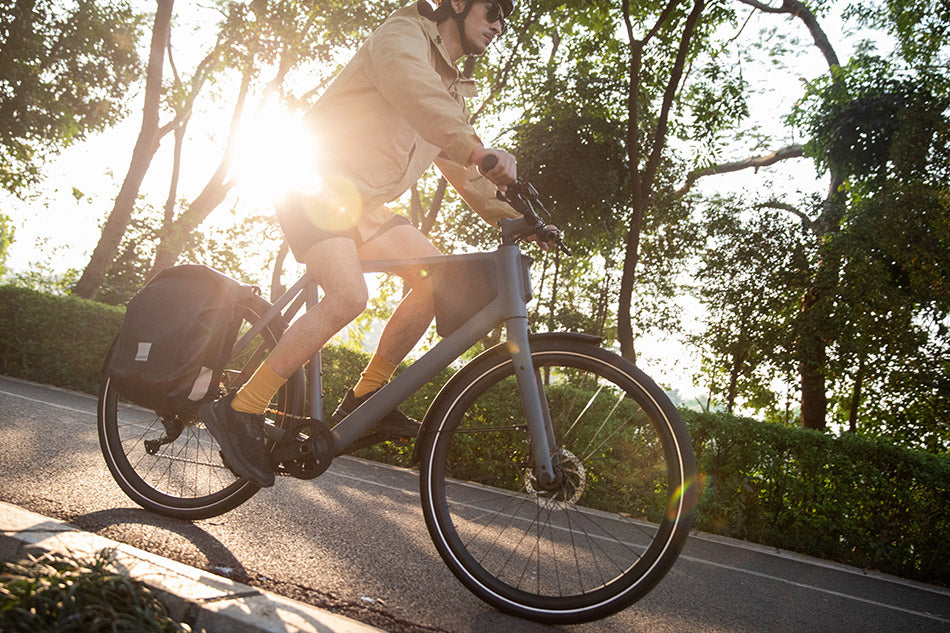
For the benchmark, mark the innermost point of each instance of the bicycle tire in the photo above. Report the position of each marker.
(186, 478)
(608, 534)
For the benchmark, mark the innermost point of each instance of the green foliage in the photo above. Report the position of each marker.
(750, 280)
(65, 73)
(921, 27)
(6, 239)
(869, 121)
(53, 339)
(68, 595)
(858, 501)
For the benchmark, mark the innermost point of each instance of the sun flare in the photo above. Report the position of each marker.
(275, 155)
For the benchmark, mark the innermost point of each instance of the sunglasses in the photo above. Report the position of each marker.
(496, 14)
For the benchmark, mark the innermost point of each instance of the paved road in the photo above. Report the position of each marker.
(354, 540)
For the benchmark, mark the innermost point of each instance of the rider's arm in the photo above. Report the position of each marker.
(476, 190)
(399, 66)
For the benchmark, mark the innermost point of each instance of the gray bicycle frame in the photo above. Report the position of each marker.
(511, 270)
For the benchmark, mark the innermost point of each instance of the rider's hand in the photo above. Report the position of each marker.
(549, 241)
(505, 170)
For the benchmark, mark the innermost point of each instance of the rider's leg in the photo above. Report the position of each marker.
(413, 314)
(334, 264)
(238, 427)
(403, 330)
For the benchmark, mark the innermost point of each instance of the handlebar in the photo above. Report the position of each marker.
(525, 199)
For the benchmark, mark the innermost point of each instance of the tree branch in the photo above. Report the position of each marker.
(803, 13)
(755, 162)
(784, 206)
(676, 74)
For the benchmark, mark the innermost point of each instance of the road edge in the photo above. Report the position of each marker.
(203, 600)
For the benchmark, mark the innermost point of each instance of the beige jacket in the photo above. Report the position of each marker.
(396, 108)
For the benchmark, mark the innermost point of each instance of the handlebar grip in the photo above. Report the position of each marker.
(488, 163)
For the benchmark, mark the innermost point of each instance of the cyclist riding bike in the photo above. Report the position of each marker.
(397, 107)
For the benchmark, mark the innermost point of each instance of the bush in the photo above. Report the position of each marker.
(55, 593)
(851, 499)
(55, 340)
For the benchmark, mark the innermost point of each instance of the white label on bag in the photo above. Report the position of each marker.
(143, 351)
(202, 382)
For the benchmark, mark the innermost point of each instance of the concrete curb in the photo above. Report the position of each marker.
(205, 601)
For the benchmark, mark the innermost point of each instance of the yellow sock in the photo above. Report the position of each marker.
(376, 374)
(256, 393)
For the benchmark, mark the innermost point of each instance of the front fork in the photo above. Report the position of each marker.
(534, 404)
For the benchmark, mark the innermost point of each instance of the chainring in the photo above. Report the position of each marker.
(306, 450)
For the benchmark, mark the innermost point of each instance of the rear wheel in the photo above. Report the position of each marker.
(173, 466)
(611, 526)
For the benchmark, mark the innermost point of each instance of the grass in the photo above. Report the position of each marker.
(54, 593)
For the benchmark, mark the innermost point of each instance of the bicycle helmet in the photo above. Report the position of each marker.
(507, 8)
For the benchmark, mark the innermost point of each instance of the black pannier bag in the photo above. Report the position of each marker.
(175, 340)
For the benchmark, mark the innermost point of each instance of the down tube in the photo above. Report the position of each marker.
(407, 382)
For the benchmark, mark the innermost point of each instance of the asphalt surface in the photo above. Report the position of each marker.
(353, 541)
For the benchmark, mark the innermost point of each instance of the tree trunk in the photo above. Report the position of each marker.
(814, 400)
(627, 279)
(856, 398)
(644, 178)
(145, 147)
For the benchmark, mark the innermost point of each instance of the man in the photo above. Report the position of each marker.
(394, 109)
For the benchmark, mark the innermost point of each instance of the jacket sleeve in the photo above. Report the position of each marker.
(398, 66)
(476, 190)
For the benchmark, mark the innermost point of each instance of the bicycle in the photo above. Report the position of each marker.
(557, 480)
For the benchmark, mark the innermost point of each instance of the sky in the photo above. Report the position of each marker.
(60, 225)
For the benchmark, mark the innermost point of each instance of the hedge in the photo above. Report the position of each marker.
(56, 340)
(850, 499)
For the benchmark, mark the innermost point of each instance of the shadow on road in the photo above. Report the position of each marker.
(179, 539)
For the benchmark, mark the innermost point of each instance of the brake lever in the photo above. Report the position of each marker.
(524, 199)
(546, 235)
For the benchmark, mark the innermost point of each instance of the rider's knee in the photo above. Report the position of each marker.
(348, 304)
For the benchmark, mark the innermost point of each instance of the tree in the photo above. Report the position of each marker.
(277, 37)
(749, 281)
(146, 145)
(881, 319)
(64, 73)
(589, 70)
(887, 131)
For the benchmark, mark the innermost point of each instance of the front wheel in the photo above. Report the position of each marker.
(606, 532)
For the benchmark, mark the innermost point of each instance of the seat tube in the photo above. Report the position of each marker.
(531, 398)
(315, 375)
